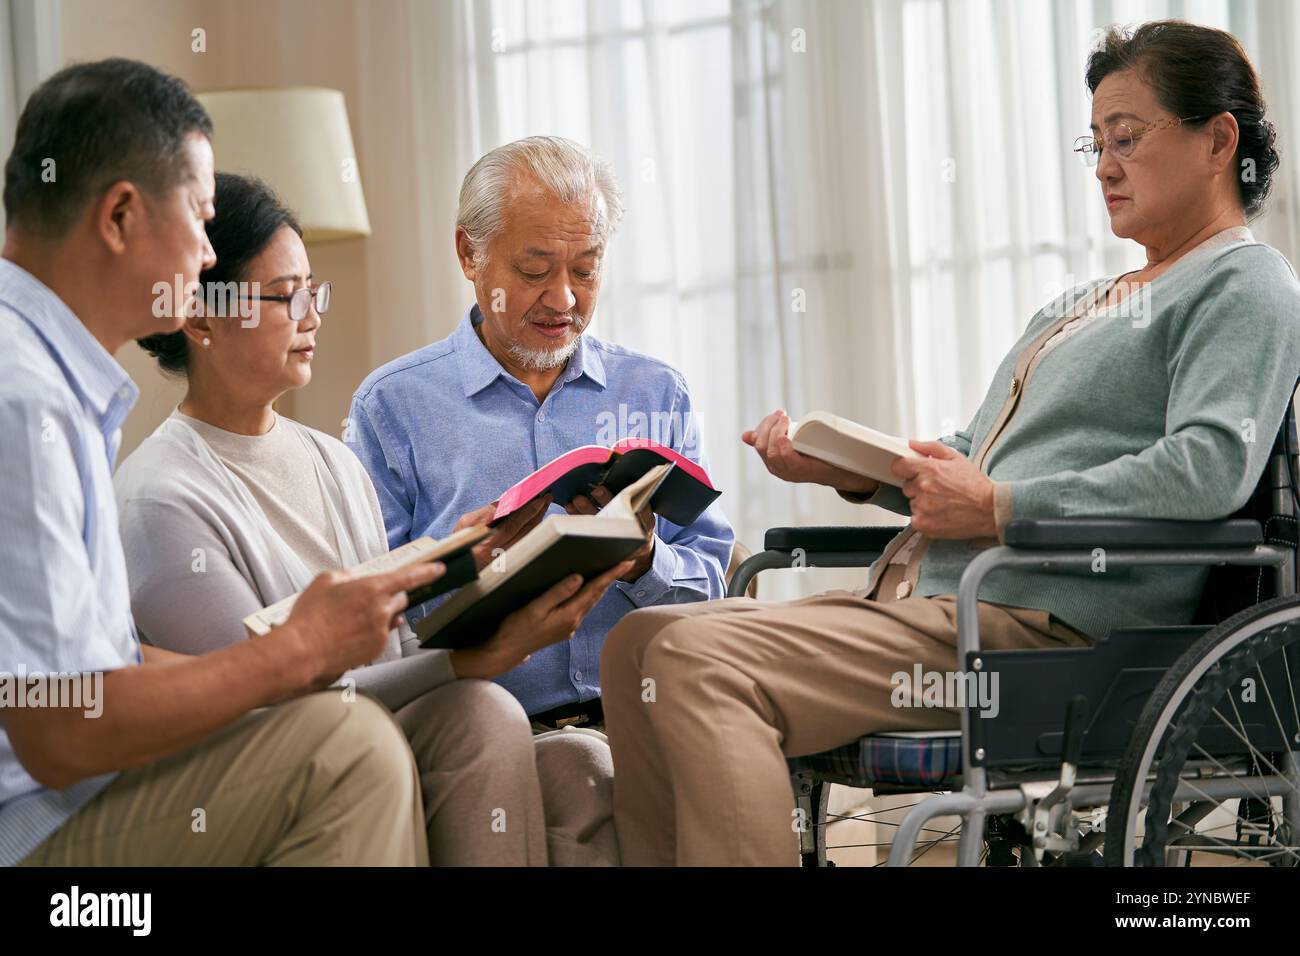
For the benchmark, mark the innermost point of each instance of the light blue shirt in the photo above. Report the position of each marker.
(446, 429)
(64, 602)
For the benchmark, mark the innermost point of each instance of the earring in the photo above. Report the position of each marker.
(207, 342)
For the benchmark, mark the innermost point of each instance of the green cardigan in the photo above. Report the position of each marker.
(1170, 413)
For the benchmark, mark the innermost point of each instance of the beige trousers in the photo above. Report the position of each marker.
(496, 795)
(576, 770)
(317, 781)
(704, 703)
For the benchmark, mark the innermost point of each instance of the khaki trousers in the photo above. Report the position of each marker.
(321, 781)
(704, 703)
(316, 781)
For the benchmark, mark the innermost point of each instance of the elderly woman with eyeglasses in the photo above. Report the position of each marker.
(1155, 394)
(229, 506)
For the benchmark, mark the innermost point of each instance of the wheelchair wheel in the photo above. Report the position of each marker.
(1217, 743)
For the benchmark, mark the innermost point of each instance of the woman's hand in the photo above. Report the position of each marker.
(772, 442)
(518, 524)
(547, 620)
(949, 496)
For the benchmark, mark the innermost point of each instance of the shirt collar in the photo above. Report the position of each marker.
(102, 385)
(478, 368)
(586, 361)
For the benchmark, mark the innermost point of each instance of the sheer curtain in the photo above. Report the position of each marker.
(844, 204)
(29, 51)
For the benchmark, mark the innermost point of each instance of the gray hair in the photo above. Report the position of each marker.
(563, 168)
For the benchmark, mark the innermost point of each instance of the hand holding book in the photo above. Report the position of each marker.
(772, 441)
(562, 545)
(506, 532)
(948, 496)
(549, 619)
(452, 554)
(601, 496)
(342, 619)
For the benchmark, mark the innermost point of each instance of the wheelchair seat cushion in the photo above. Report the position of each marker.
(931, 760)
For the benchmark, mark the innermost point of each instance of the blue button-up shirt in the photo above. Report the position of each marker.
(446, 429)
(64, 602)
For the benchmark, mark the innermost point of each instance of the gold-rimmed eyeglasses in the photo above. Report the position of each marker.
(301, 299)
(1122, 139)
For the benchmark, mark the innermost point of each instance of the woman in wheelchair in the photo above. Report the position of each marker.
(1136, 396)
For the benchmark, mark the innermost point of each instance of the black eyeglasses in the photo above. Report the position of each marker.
(300, 300)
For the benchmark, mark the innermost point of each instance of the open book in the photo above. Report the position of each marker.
(681, 498)
(556, 548)
(848, 445)
(454, 551)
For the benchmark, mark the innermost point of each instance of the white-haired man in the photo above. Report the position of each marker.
(443, 431)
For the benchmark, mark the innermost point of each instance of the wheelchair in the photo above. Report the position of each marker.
(1154, 746)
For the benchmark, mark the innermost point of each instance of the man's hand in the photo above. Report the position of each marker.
(772, 442)
(170, 702)
(341, 621)
(949, 496)
(644, 556)
(518, 524)
(546, 620)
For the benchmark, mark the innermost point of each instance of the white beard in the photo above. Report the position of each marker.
(542, 359)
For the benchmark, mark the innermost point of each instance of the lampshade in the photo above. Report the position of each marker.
(296, 139)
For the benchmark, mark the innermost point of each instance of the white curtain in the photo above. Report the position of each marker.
(845, 204)
(29, 51)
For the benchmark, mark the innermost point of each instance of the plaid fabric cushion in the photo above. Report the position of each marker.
(931, 762)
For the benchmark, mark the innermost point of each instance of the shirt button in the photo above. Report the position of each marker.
(577, 675)
(1015, 385)
(640, 593)
(903, 590)
(541, 416)
(124, 392)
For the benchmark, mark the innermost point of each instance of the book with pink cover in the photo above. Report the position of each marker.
(681, 499)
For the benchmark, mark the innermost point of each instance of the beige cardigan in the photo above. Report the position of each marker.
(201, 555)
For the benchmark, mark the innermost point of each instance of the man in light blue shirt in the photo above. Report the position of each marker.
(145, 756)
(448, 428)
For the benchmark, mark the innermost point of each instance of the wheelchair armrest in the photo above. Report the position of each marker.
(832, 547)
(1047, 534)
(830, 538)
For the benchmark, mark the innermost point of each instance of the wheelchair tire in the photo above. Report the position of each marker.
(1179, 710)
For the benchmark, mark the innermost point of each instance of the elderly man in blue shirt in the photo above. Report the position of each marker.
(446, 429)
